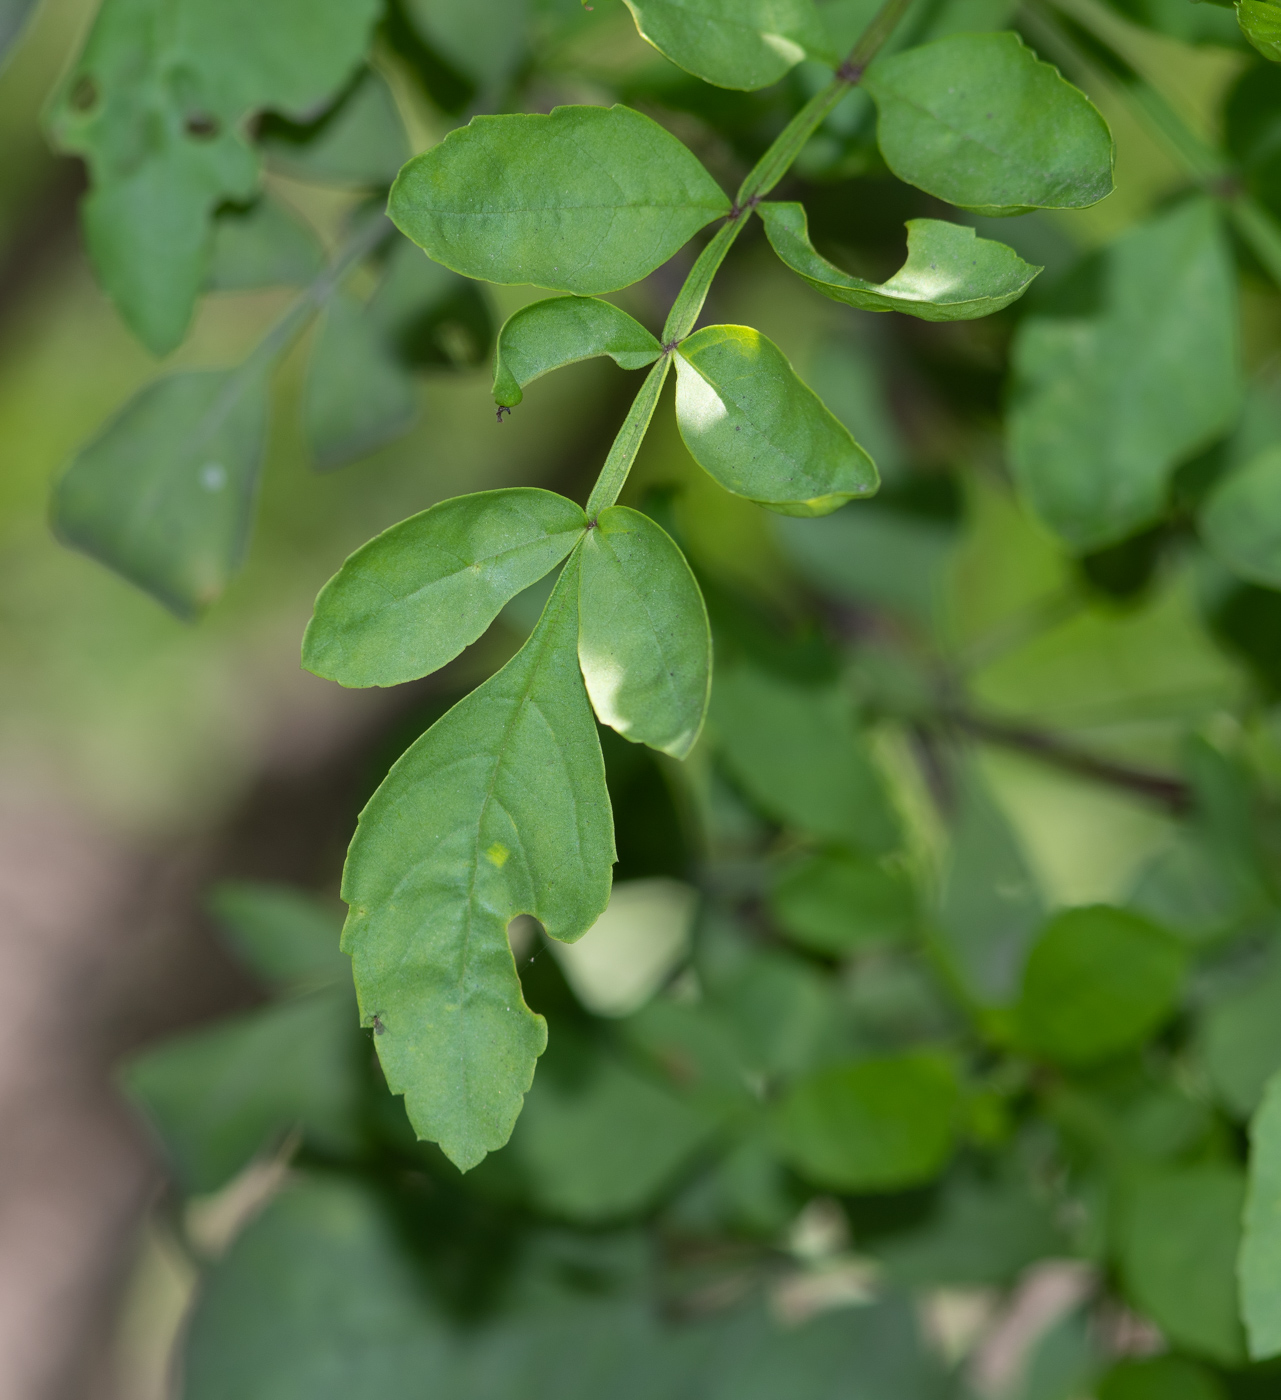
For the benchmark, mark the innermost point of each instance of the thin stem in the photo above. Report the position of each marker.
(689, 300)
(630, 436)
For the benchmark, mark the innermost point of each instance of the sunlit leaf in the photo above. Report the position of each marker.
(980, 121)
(733, 43)
(644, 642)
(499, 809)
(164, 495)
(413, 597)
(588, 199)
(750, 422)
(1260, 1261)
(561, 331)
(950, 275)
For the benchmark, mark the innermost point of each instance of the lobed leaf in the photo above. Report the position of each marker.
(1241, 521)
(1259, 1263)
(561, 331)
(413, 597)
(587, 200)
(950, 275)
(980, 121)
(499, 809)
(750, 422)
(743, 44)
(644, 641)
(1130, 366)
(164, 495)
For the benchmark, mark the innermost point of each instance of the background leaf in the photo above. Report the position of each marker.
(287, 938)
(979, 120)
(750, 422)
(1241, 1039)
(950, 274)
(834, 903)
(1260, 1261)
(265, 245)
(165, 494)
(1241, 520)
(588, 199)
(644, 641)
(499, 809)
(413, 597)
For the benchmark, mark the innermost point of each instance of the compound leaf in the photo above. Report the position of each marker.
(1259, 1265)
(980, 121)
(1130, 366)
(744, 44)
(263, 246)
(562, 331)
(750, 422)
(587, 200)
(413, 597)
(156, 104)
(1098, 981)
(950, 275)
(1241, 522)
(874, 1125)
(164, 494)
(644, 641)
(499, 809)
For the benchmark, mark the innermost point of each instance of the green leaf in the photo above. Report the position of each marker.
(287, 937)
(1241, 521)
(874, 1125)
(744, 44)
(360, 143)
(1241, 1040)
(1260, 22)
(980, 121)
(644, 641)
(413, 597)
(1098, 982)
(835, 903)
(317, 1297)
(950, 275)
(1160, 1378)
(606, 1146)
(1179, 1234)
(797, 753)
(1130, 366)
(164, 495)
(13, 19)
(156, 103)
(218, 1097)
(357, 397)
(1259, 1265)
(265, 245)
(784, 1015)
(428, 316)
(587, 200)
(750, 422)
(562, 331)
(499, 809)
(482, 38)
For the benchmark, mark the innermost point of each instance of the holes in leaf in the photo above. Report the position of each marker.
(84, 95)
(201, 126)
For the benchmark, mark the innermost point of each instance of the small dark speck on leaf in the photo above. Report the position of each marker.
(84, 95)
(379, 1028)
(202, 126)
(502, 408)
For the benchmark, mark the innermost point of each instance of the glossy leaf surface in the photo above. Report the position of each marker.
(1241, 522)
(1098, 981)
(644, 642)
(750, 422)
(561, 331)
(165, 150)
(742, 44)
(499, 809)
(1130, 366)
(875, 1125)
(1260, 1261)
(412, 598)
(980, 121)
(588, 199)
(950, 275)
(165, 494)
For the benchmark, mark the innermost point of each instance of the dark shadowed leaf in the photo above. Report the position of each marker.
(361, 144)
(1160, 1378)
(1241, 521)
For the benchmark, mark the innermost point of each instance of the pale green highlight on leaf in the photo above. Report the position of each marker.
(1241, 522)
(412, 598)
(517, 765)
(561, 331)
(875, 1125)
(750, 422)
(1259, 1263)
(587, 200)
(1260, 22)
(980, 121)
(644, 641)
(742, 44)
(950, 275)
(165, 494)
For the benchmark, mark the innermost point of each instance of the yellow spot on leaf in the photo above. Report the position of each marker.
(498, 854)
